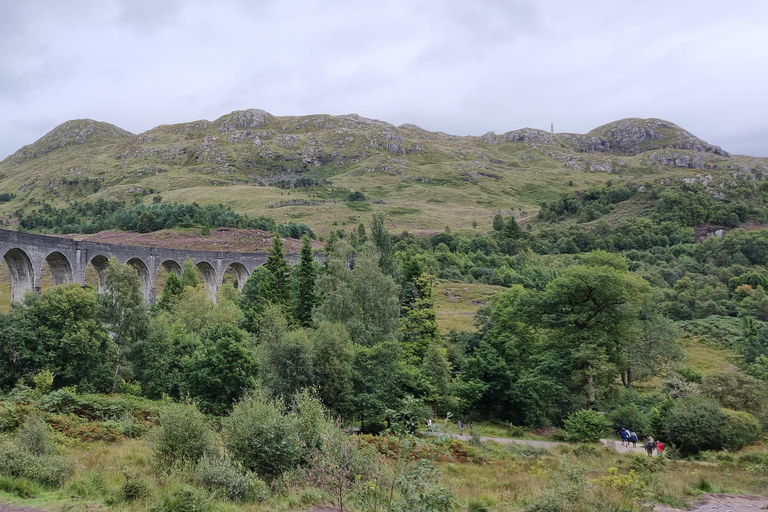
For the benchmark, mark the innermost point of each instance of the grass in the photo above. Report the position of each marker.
(457, 303)
(439, 181)
(705, 358)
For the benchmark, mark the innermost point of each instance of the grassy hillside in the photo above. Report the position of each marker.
(302, 168)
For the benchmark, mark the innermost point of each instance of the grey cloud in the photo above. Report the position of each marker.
(459, 67)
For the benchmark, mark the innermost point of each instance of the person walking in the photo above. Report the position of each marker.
(649, 446)
(633, 438)
(624, 434)
(659, 448)
(461, 428)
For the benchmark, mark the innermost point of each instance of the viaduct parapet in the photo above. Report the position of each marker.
(68, 259)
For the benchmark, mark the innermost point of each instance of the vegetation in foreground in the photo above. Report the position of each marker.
(129, 453)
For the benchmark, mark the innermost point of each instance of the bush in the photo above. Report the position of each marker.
(630, 417)
(35, 436)
(184, 434)
(221, 474)
(182, 499)
(740, 429)
(694, 424)
(49, 470)
(134, 487)
(586, 426)
(260, 435)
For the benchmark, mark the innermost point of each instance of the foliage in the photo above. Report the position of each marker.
(261, 435)
(586, 426)
(221, 369)
(694, 424)
(184, 435)
(220, 474)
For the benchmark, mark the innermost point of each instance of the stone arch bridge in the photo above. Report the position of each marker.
(25, 254)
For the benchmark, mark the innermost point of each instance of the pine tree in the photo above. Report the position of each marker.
(305, 275)
(383, 242)
(172, 290)
(277, 289)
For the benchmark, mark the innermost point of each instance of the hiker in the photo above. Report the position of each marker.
(649, 446)
(624, 434)
(429, 423)
(461, 428)
(633, 438)
(659, 448)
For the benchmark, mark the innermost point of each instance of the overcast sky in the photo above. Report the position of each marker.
(464, 67)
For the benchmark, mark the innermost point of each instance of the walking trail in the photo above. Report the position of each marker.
(611, 443)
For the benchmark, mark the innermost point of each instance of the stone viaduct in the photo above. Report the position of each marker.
(26, 254)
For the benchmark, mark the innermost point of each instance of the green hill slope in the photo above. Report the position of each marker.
(302, 168)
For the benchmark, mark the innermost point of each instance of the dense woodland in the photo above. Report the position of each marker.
(583, 338)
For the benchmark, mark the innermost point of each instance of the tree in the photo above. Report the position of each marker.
(419, 323)
(123, 310)
(189, 274)
(364, 299)
(286, 363)
(196, 311)
(222, 369)
(332, 357)
(381, 380)
(592, 309)
(251, 301)
(158, 359)
(276, 289)
(171, 292)
(305, 275)
(62, 333)
(383, 243)
(498, 222)
(654, 352)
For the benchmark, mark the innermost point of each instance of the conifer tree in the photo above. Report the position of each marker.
(305, 275)
(171, 292)
(276, 290)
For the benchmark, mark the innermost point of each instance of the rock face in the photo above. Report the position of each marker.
(634, 136)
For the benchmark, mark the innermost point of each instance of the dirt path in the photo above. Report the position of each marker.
(549, 444)
(16, 508)
(722, 503)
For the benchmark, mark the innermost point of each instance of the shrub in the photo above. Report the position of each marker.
(49, 470)
(182, 499)
(740, 429)
(9, 419)
(43, 381)
(260, 435)
(134, 487)
(215, 473)
(694, 424)
(184, 434)
(35, 436)
(586, 426)
(630, 417)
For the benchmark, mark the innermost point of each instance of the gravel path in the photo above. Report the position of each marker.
(549, 444)
(723, 503)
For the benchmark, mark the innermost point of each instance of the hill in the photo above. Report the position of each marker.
(303, 168)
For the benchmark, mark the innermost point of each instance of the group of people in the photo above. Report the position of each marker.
(461, 428)
(650, 445)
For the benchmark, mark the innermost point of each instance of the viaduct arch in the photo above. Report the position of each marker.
(25, 255)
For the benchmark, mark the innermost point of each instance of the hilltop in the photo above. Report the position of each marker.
(303, 168)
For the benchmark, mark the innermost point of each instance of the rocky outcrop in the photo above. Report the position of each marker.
(243, 120)
(70, 133)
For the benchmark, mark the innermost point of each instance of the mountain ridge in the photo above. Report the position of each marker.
(421, 178)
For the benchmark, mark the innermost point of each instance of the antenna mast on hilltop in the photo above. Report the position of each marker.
(552, 128)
